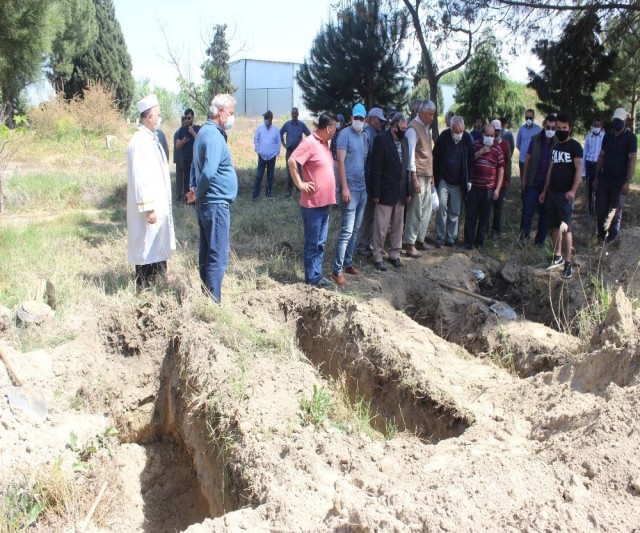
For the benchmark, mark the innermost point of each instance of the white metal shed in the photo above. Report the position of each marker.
(262, 85)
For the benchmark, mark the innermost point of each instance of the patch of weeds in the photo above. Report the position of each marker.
(598, 303)
(503, 357)
(85, 452)
(315, 410)
(76, 402)
(21, 505)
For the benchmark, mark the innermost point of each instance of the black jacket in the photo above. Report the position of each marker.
(390, 176)
(444, 141)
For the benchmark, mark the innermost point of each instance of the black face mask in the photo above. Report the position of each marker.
(400, 134)
(618, 124)
(562, 135)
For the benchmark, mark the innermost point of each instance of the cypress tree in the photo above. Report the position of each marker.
(108, 61)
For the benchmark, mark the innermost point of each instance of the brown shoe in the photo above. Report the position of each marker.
(353, 271)
(339, 279)
(412, 252)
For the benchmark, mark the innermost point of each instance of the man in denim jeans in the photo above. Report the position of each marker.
(353, 146)
(214, 186)
(317, 195)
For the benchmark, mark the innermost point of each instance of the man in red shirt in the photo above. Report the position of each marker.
(488, 172)
(318, 193)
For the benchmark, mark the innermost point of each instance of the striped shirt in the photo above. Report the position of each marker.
(592, 146)
(485, 168)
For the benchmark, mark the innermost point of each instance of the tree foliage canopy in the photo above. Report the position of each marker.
(215, 69)
(27, 30)
(573, 67)
(76, 34)
(357, 59)
(107, 62)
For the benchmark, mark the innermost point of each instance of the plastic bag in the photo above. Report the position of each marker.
(435, 201)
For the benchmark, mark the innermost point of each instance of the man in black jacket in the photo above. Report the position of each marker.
(452, 168)
(390, 189)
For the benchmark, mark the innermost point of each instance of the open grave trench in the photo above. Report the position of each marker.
(528, 345)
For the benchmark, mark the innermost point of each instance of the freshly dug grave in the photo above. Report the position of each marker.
(208, 403)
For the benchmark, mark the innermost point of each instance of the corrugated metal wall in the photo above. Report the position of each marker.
(262, 85)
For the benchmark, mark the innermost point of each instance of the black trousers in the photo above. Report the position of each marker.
(149, 274)
(476, 222)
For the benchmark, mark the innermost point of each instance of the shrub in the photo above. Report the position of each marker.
(94, 115)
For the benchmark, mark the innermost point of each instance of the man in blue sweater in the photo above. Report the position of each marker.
(213, 187)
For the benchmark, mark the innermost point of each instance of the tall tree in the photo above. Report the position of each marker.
(624, 87)
(77, 34)
(357, 58)
(573, 66)
(215, 69)
(481, 85)
(107, 62)
(27, 30)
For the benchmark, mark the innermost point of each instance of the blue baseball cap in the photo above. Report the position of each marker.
(340, 117)
(359, 111)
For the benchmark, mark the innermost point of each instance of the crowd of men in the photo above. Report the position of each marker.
(387, 175)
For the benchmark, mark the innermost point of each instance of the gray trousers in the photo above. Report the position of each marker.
(418, 213)
(385, 214)
(450, 197)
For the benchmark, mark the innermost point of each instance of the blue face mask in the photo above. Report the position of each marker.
(618, 124)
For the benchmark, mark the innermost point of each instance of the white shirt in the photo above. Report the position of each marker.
(148, 189)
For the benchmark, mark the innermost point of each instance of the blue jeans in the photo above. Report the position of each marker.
(316, 227)
(351, 220)
(214, 221)
(270, 166)
(531, 204)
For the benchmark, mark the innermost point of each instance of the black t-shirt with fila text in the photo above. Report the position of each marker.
(563, 158)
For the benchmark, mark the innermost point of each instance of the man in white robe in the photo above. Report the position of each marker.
(151, 237)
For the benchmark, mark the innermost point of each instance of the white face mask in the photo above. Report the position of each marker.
(457, 137)
(229, 123)
(596, 131)
(338, 125)
(529, 122)
(358, 125)
(549, 133)
(488, 141)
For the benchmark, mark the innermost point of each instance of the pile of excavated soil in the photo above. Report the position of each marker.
(213, 438)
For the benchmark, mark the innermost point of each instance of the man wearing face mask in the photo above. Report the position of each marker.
(215, 187)
(453, 157)
(614, 171)
(150, 232)
(291, 134)
(525, 134)
(532, 181)
(592, 147)
(266, 142)
(498, 205)
(421, 167)
(563, 178)
(488, 172)
(390, 189)
(353, 147)
(185, 138)
(374, 125)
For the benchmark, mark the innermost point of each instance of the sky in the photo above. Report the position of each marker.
(281, 30)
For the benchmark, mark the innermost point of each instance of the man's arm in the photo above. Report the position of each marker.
(577, 178)
(283, 130)
(412, 141)
(496, 192)
(599, 165)
(342, 174)
(630, 171)
(523, 178)
(547, 181)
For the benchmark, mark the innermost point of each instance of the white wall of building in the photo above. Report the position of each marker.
(262, 85)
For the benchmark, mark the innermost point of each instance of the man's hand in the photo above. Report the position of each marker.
(375, 200)
(346, 195)
(416, 185)
(191, 196)
(496, 194)
(307, 186)
(542, 196)
(570, 196)
(151, 217)
(625, 189)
